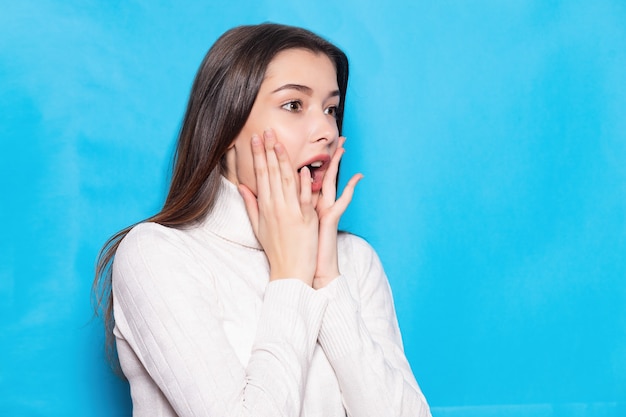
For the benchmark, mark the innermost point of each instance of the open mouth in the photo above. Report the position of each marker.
(313, 166)
(317, 166)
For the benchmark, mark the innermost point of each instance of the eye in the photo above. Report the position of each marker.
(332, 111)
(293, 106)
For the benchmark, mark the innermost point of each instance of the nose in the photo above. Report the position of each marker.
(323, 128)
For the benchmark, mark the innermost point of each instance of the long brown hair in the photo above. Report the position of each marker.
(220, 102)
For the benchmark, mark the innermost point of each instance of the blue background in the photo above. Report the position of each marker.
(492, 136)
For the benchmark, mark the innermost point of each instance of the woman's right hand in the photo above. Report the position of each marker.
(282, 213)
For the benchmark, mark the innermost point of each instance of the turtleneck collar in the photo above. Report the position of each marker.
(229, 218)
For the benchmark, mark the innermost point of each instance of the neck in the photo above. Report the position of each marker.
(229, 219)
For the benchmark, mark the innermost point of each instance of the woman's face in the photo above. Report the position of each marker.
(298, 99)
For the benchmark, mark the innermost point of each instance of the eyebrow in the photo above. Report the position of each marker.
(304, 89)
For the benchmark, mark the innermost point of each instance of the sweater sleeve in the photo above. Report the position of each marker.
(361, 338)
(160, 306)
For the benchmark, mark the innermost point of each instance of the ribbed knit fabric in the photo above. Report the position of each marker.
(201, 331)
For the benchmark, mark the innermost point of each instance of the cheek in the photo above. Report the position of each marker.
(245, 170)
(292, 136)
(240, 166)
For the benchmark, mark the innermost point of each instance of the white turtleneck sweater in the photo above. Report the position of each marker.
(201, 331)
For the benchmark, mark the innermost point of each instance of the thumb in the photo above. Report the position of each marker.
(346, 196)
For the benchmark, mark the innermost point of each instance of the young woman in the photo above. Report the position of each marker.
(240, 298)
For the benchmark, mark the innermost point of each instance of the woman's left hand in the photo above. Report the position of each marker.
(329, 210)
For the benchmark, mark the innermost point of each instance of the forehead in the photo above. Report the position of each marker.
(301, 65)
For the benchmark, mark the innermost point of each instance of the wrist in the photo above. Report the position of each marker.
(322, 281)
(278, 274)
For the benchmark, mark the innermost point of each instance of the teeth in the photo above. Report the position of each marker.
(313, 165)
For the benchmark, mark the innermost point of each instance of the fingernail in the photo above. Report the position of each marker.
(268, 132)
(255, 139)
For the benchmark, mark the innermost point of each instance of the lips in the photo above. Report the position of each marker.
(317, 166)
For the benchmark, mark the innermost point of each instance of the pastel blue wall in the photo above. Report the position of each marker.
(492, 136)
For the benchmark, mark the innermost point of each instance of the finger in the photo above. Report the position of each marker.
(260, 167)
(287, 173)
(305, 186)
(346, 196)
(252, 206)
(273, 168)
(337, 155)
(329, 186)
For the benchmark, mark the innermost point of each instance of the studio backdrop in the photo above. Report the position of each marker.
(492, 138)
